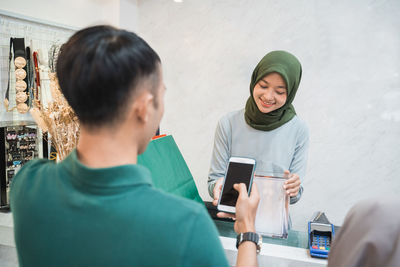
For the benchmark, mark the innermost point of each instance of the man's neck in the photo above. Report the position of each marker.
(102, 149)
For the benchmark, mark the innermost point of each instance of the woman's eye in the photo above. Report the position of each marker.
(280, 93)
(264, 86)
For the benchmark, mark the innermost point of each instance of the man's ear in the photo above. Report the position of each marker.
(142, 106)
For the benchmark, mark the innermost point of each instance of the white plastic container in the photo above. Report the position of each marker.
(272, 217)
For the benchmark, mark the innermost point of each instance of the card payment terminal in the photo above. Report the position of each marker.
(321, 233)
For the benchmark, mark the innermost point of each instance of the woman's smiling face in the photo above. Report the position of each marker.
(270, 93)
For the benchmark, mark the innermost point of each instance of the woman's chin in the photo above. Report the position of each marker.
(266, 109)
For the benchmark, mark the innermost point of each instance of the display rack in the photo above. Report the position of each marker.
(20, 138)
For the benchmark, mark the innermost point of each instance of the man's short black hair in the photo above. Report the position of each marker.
(99, 69)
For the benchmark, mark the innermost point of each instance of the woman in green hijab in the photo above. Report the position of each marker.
(268, 129)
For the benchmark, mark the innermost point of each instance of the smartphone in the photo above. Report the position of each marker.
(240, 170)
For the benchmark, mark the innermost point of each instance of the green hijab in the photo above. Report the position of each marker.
(289, 67)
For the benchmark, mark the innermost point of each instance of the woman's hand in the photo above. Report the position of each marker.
(217, 190)
(292, 185)
(246, 209)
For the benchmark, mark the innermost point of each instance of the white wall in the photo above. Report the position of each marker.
(128, 15)
(75, 13)
(349, 95)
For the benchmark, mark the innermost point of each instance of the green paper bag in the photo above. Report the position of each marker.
(168, 168)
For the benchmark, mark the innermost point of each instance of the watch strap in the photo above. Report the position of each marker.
(249, 236)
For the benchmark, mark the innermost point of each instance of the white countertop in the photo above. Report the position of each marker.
(275, 255)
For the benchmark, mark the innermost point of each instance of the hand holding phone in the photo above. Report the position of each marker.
(240, 170)
(246, 209)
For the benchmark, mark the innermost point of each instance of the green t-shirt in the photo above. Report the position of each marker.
(67, 214)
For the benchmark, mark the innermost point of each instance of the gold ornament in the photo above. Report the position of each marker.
(20, 62)
(20, 74)
(58, 119)
(22, 108)
(20, 86)
(21, 97)
(6, 103)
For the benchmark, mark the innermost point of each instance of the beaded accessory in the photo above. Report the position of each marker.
(20, 74)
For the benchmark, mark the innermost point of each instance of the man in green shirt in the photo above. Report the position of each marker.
(97, 207)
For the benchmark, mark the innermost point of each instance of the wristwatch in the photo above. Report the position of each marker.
(249, 236)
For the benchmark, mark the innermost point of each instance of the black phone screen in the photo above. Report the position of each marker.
(237, 173)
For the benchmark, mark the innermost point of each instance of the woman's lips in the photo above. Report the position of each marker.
(267, 105)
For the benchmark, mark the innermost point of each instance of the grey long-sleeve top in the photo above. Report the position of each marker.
(284, 148)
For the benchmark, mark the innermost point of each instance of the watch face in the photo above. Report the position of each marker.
(259, 244)
(259, 239)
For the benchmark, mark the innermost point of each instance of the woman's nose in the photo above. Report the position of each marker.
(268, 95)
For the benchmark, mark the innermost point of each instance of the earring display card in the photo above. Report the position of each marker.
(20, 145)
(272, 217)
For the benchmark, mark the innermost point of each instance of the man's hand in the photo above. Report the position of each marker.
(217, 190)
(292, 185)
(246, 209)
